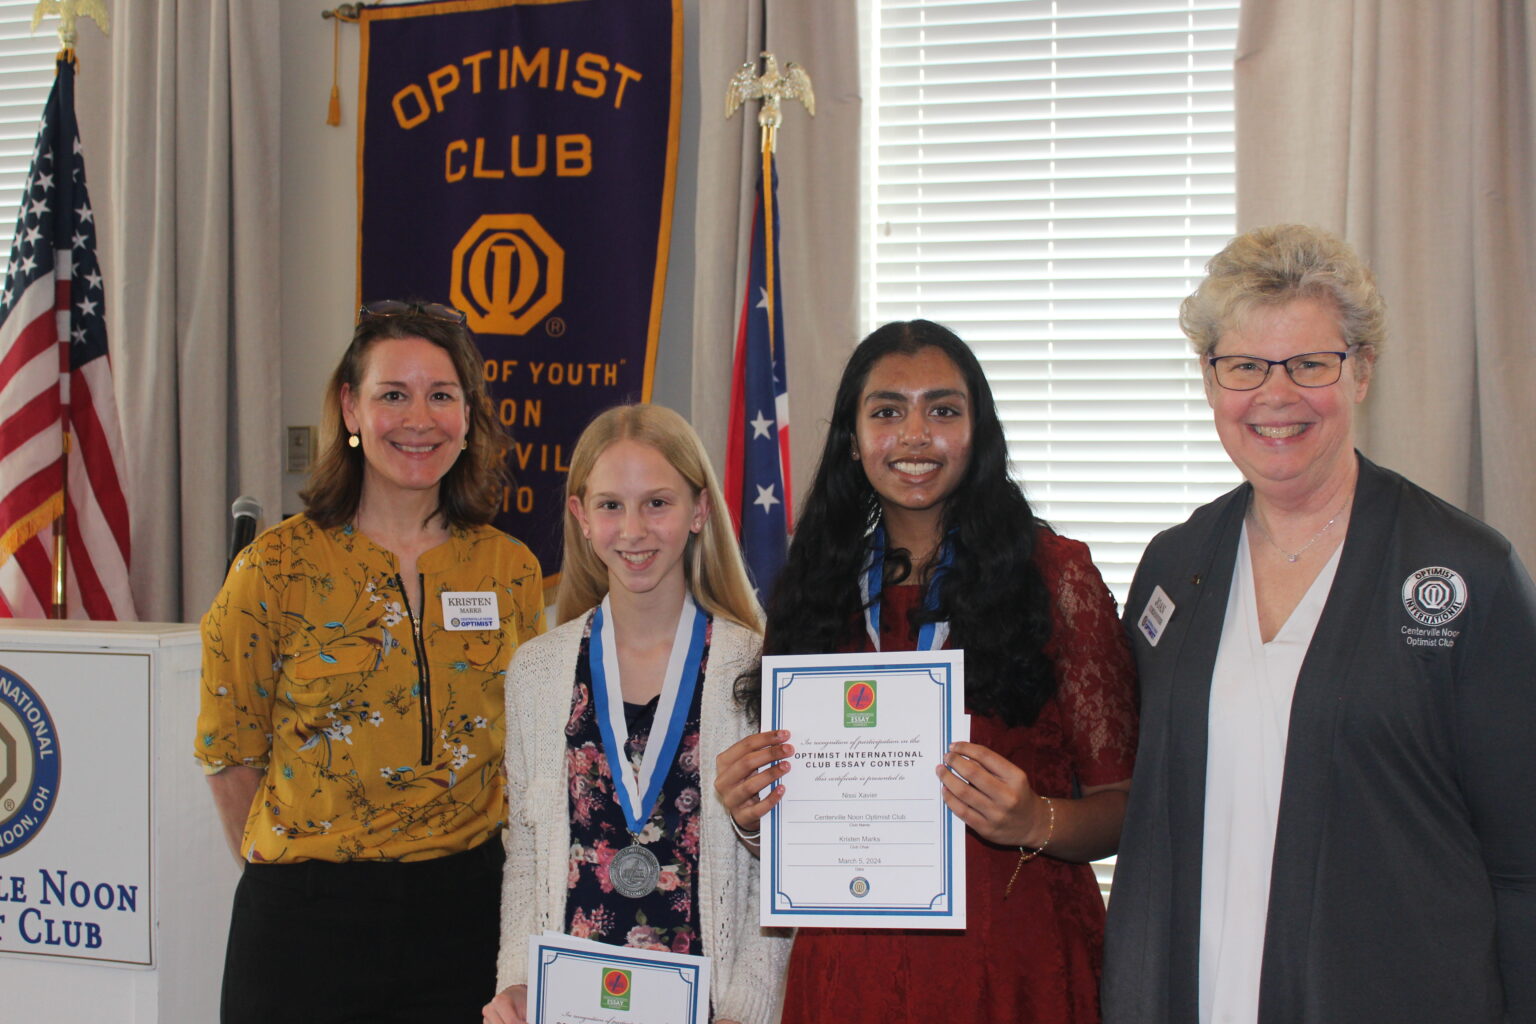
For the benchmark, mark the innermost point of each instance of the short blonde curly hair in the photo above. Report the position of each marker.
(1275, 265)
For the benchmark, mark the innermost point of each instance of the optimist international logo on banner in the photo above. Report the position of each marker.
(508, 273)
(616, 984)
(859, 704)
(29, 763)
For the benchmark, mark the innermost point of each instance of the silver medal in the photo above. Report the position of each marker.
(634, 872)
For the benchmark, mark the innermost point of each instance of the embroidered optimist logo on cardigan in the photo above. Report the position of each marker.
(1434, 595)
(29, 763)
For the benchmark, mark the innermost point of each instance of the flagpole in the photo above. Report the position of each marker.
(773, 87)
(757, 445)
(60, 606)
(768, 217)
(69, 12)
(60, 550)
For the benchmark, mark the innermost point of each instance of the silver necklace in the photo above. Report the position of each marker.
(1289, 557)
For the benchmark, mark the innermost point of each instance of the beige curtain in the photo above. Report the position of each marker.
(185, 97)
(1407, 127)
(818, 160)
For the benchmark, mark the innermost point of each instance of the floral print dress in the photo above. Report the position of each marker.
(664, 918)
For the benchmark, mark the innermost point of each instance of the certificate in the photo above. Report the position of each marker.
(577, 981)
(862, 837)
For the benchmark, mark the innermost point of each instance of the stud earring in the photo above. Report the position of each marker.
(353, 441)
(853, 450)
(464, 445)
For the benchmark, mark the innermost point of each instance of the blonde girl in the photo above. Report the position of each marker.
(613, 719)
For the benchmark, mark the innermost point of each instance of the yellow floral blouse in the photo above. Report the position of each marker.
(380, 731)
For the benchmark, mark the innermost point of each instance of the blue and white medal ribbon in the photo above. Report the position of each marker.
(931, 635)
(634, 870)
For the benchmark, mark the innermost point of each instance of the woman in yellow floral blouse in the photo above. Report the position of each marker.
(351, 716)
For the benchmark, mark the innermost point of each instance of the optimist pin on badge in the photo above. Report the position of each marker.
(1154, 619)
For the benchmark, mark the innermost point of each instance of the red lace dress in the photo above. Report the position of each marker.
(1036, 956)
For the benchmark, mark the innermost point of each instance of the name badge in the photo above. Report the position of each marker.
(1155, 618)
(470, 609)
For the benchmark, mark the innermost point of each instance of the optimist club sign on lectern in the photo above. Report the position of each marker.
(66, 888)
(114, 879)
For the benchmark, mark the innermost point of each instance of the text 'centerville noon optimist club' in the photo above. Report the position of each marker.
(46, 907)
(48, 923)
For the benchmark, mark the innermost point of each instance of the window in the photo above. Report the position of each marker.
(26, 75)
(1048, 178)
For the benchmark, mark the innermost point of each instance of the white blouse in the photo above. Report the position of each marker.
(1251, 688)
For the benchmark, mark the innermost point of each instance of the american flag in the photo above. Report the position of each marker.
(54, 371)
(757, 452)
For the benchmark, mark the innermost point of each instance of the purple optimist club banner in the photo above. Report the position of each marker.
(516, 159)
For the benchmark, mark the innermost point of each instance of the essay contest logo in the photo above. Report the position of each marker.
(615, 989)
(508, 273)
(858, 704)
(29, 763)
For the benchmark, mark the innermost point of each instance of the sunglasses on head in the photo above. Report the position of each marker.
(395, 307)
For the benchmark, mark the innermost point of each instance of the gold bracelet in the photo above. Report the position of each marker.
(1026, 854)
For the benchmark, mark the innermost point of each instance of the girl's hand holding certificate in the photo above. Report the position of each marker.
(745, 769)
(993, 796)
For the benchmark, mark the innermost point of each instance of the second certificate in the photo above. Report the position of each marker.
(862, 837)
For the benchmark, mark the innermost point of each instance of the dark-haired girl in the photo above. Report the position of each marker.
(914, 536)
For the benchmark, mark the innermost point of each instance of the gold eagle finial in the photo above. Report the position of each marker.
(69, 11)
(772, 87)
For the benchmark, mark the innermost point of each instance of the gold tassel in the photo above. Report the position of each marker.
(333, 116)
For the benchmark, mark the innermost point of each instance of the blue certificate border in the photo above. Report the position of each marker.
(942, 906)
(689, 973)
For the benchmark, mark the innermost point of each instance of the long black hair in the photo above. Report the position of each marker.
(992, 594)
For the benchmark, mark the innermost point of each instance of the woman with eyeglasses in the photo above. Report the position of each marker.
(1331, 817)
(352, 714)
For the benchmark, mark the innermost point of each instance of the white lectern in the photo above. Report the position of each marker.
(115, 880)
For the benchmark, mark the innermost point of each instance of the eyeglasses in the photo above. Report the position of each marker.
(1308, 370)
(394, 307)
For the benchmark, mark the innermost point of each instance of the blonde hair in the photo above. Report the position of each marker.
(711, 561)
(1274, 265)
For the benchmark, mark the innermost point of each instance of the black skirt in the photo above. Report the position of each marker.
(380, 941)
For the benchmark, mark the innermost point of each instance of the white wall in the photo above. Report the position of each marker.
(319, 224)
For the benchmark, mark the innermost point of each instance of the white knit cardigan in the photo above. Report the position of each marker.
(747, 961)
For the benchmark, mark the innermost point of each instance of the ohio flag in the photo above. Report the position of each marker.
(757, 453)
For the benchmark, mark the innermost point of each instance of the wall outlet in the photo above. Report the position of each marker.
(301, 449)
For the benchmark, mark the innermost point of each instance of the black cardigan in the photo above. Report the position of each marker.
(1404, 875)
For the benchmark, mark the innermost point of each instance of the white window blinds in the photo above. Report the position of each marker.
(26, 75)
(1047, 178)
